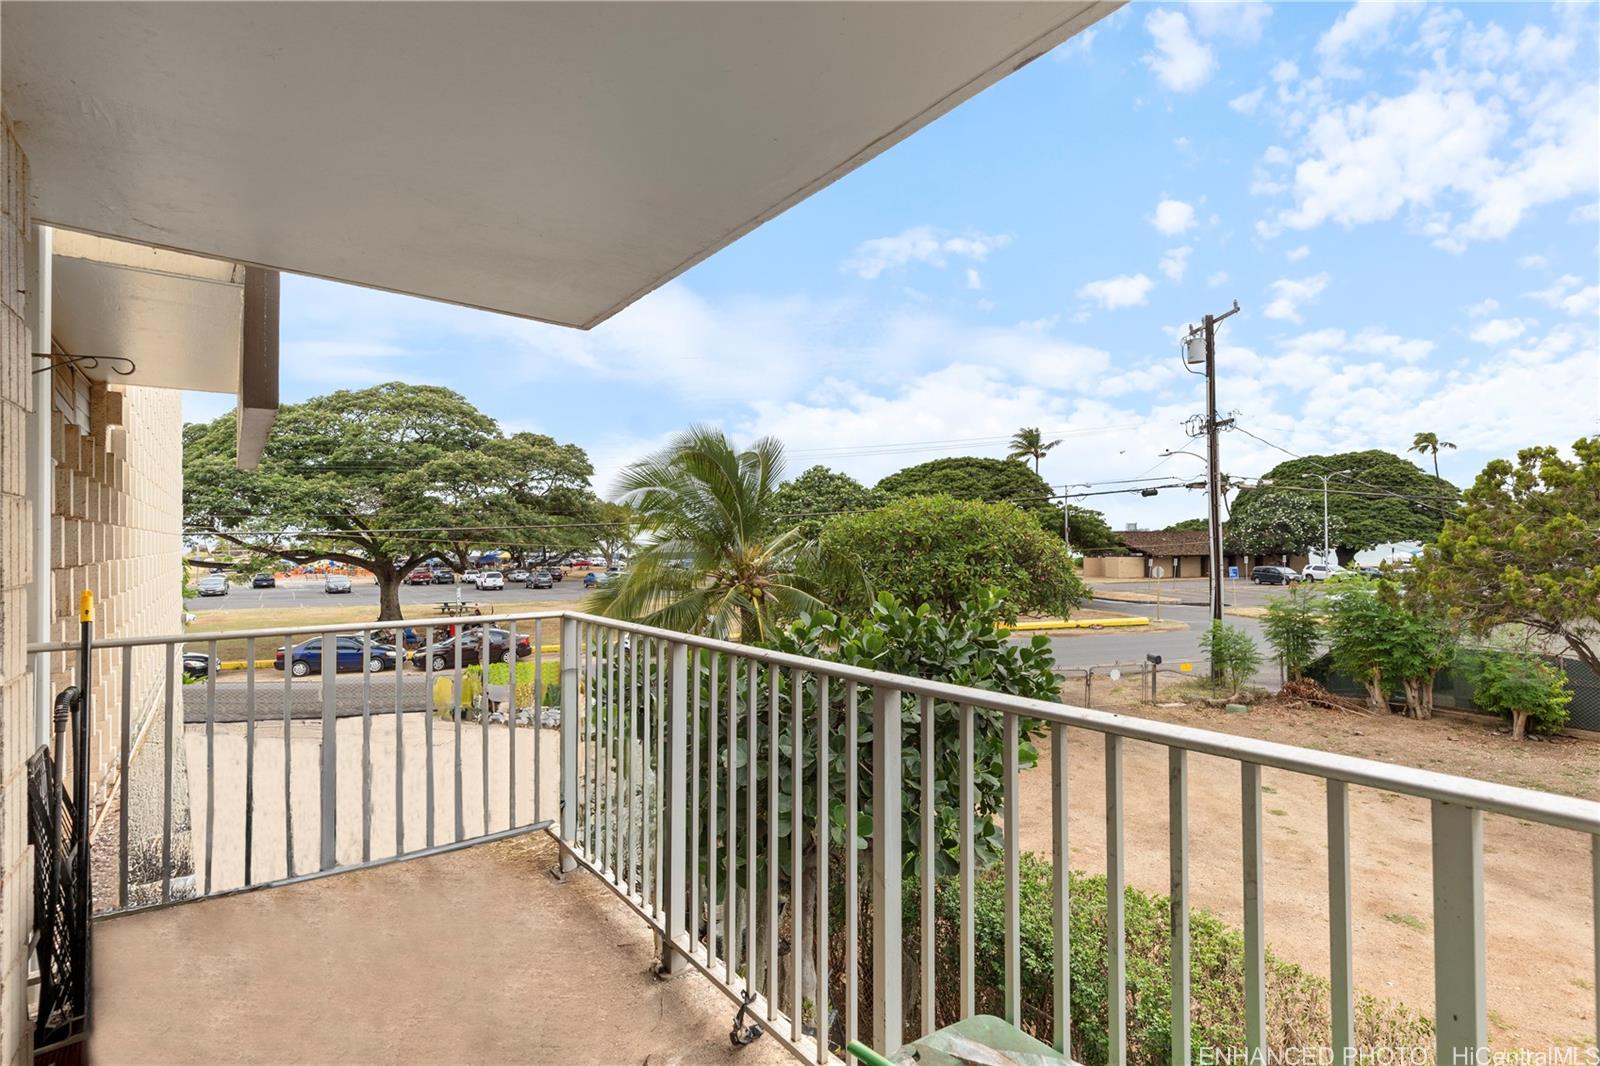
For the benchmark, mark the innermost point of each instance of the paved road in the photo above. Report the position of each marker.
(1128, 647)
(306, 593)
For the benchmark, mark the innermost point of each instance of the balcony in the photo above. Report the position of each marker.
(359, 866)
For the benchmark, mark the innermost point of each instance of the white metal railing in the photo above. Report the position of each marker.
(727, 917)
(236, 781)
(671, 764)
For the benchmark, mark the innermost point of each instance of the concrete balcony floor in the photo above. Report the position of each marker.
(473, 956)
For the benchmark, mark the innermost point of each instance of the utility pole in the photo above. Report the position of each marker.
(1206, 335)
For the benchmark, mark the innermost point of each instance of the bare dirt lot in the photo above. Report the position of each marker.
(1537, 879)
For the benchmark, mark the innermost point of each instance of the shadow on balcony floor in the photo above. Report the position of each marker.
(474, 956)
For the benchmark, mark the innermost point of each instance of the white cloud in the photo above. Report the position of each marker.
(1361, 28)
(919, 244)
(1288, 294)
(1493, 128)
(1173, 218)
(1176, 262)
(1569, 294)
(1533, 262)
(1499, 330)
(1487, 306)
(1246, 103)
(1294, 255)
(1585, 213)
(1219, 278)
(1284, 71)
(1239, 20)
(974, 279)
(1180, 62)
(1125, 290)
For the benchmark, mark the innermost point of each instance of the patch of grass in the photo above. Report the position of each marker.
(1410, 921)
(1277, 812)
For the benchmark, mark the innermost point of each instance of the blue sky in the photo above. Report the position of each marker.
(1402, 198)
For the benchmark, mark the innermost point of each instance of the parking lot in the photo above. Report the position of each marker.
(308, 592)
(1191, 590)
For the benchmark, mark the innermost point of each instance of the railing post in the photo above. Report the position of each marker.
(676, 812)
(1459, 997)
(569, 741)
(888, 1004)
(329, 749)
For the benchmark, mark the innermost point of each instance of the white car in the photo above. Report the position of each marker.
(1320, 572)
(470, 577)
(491, 581)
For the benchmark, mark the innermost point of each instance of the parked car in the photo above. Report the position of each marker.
(470, 577)
(443, 575)
(540, 579)
(1319, 572)
(263, 581)
(336, 583)
(554, 569)
(306, 658)
(1369, 571)
(213, 585)
(491, 581)
(420, 577)
(196, 664)
(442, 653)
(1274, 575)
(516, 576)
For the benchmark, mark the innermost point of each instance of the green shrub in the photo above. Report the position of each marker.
(1234, 656)
(1522, 688)
(1298, 1006)
(1293, 627)
(527, 682)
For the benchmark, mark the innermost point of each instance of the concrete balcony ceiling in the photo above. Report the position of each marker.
(553, 161)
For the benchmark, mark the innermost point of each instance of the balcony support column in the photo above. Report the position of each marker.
(41, 474)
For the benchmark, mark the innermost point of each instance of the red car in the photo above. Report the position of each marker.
(420, 577)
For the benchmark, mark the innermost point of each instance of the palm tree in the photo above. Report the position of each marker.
(1429, 443)
(716, 560)
(1029, 443)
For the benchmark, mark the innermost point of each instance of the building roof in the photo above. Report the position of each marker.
(1158, 542)
(553, 161)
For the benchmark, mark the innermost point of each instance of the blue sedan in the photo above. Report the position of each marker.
(306, 658)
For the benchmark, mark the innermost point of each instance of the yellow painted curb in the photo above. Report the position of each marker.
(1120, 621)
(240, 664)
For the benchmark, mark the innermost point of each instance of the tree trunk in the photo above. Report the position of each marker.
(1377, 699)
(388, 593)
(1419, 697)
(1519, 725)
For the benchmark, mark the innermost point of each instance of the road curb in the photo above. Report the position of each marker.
(1082, 623)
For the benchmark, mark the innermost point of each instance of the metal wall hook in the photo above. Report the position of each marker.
(117, 364)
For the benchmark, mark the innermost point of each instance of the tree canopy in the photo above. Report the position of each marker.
(818, 494)
(1524, 549)
(1286, 522)
(1383, 498)
(970, 477)
(382, 478)
(943, 552)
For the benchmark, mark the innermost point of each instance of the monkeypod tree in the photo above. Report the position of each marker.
(1383, 498)
(379, 478)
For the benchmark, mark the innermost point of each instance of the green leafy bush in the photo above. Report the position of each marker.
(1294, 627)
(1234, 656)
(1298, 1006)
(943, 551)
(1523, 688)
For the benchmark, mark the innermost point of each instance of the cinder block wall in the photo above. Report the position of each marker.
(116, 532)
(16, 881)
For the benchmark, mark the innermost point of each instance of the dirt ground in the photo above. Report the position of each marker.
(1537, 886)
(474, 956)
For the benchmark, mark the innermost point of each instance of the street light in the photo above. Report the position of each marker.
(1325, 479)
